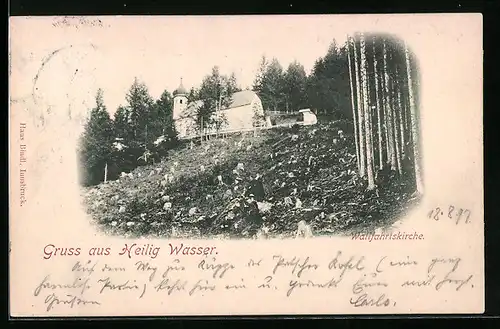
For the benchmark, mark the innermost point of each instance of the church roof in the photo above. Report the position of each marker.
(240, 98)
(180, 90)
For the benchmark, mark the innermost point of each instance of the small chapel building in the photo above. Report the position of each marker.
(244, 112)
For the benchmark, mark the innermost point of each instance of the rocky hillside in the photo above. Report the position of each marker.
(246, 185)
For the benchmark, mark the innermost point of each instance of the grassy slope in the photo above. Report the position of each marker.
(332, 197)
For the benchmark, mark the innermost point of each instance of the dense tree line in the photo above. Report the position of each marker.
(325, 90)
(140, 132)
(96, 143)
(383, 87)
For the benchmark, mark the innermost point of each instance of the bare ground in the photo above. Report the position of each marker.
(303, 173)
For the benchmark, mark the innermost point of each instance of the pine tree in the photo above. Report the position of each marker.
(140, 104)
(328, 88)
(361, 116)
(162, 123)
(353, 101)
(257, 85)
(378, 105)
(121, 124)
(193, 95)
(391, 156)
(367, 119)
(162, 119)
(271, 90)
(96, 143)
(216, 92)
(395, 122)
(294, 87)
(401, 121)
(414, 124)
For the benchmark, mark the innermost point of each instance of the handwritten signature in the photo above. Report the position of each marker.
(70, 300)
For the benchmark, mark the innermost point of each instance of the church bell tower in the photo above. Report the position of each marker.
(180, 100)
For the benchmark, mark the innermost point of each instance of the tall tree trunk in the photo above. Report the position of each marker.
(106, 173)
(407, 120)
(356, 138)
(401, 124)
(370, 111)
(409, 131)
(378, 104)
(368, 92)
(391, 157)
(201, 130)
(396, 114)
(414, 125)
(362, 155)
(385, 115)
(369, 150)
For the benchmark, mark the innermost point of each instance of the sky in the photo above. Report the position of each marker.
(108, 52)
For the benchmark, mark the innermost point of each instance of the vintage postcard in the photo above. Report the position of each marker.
(246, 165)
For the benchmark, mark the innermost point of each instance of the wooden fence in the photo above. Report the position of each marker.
(224, 132)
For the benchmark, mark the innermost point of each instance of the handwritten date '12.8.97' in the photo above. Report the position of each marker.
(460, 215)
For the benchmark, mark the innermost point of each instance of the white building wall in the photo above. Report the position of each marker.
(180, 104)
(242, 117)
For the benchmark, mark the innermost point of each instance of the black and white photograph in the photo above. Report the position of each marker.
(246, 165)
(233, 133)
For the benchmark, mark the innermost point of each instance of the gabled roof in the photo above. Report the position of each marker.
(240, 98)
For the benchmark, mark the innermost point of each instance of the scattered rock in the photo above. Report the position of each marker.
(228, 194)
(264, 207)
(304, 230)
(298, 204)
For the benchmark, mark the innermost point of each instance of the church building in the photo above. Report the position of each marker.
(245, 111)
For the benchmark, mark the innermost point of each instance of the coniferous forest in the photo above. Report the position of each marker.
(361, 162)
